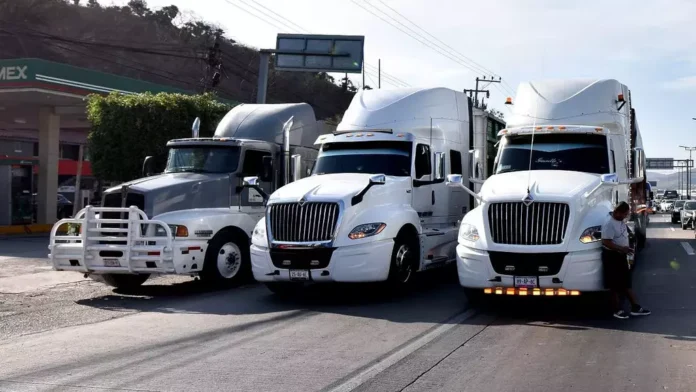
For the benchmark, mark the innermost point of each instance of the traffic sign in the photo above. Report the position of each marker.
(319, 53)
(659, 163)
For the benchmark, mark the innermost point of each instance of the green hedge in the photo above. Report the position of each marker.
(127, 128)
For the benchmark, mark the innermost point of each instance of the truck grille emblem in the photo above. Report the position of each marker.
(528, 200)
(301, 202)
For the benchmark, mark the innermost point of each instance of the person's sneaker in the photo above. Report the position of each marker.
(621, 314)
(639, 311)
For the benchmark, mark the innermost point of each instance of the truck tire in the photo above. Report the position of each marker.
(227, 262)
(284, 288)
(124, 281)
(402, 266)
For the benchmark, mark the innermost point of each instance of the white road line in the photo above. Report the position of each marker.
(687, 247)
(380, 366)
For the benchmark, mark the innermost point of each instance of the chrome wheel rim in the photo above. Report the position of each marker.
(229, 260)
(403, 263)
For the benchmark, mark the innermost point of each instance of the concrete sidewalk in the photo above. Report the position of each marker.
(26, 283)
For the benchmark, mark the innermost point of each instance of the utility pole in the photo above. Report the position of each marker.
(688, 171)
(484, 79)
(213, 67)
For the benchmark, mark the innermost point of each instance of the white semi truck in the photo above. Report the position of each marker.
(196, 218)
(377, 206)
(572, 150)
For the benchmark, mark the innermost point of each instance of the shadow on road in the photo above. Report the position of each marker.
(363, 300)
(664, 280)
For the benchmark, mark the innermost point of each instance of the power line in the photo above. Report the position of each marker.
(439, 47)
(487, 70)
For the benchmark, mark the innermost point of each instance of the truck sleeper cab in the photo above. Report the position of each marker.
(377, 206)
(537, 229)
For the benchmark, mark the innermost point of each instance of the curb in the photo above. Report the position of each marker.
(25, 229)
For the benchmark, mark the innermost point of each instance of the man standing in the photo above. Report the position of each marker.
(617, 274)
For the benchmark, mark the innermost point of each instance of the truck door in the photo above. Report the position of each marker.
(251, 201)
(423, 200)
(458, 198)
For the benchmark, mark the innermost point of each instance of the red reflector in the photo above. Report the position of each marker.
(153, 253)
(194, 247)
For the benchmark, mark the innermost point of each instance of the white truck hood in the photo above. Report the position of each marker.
(341, 186)
(542, 183)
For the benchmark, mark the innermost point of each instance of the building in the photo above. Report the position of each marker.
(43, 132)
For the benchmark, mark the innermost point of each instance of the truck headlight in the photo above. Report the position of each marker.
(366, 230)
(258, 237)
(177, 231)
(591, 234)
(468, 232)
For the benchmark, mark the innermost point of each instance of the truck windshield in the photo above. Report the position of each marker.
(570, 152)
(389, 158)
(202, 159)
(690, 205)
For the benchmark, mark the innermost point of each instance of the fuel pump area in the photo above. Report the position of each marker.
(43, 131)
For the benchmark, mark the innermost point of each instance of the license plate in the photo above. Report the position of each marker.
(112, 263)
(299, 275)
(526, 281)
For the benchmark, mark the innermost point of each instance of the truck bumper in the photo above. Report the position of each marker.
(358, 263)
(579, 271)
(185, 257)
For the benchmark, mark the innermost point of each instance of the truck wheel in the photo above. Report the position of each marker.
(284, 288)
(401, 269)
(227, 261)
(124, 281)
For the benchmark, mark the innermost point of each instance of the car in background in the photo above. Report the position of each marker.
(666, 205)
(64, 207)
(676, 210)
(688, 214)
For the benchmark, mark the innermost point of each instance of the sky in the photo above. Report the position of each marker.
(647, 45)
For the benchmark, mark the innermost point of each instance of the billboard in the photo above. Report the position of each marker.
(319, 53)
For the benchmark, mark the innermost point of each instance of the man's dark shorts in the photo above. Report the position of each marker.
(616, 274)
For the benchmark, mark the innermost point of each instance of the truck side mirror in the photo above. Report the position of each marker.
(439, 165)
(147, 166)
(253, 183)
(296, 164)
(267, 169)
(610, 178)
(638, 162)
(455, 180)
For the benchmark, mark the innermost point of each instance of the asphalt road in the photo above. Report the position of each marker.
(174, 335)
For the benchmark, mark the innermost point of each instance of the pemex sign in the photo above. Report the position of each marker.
(14, 72)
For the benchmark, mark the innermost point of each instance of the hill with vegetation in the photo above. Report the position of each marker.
(164, 46)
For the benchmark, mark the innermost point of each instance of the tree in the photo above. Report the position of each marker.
(127, 128)
(165, 15)
(139, 7)
(497, 113)
(93, 4)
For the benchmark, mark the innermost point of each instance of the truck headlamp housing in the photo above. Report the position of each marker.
(591, 234)
(366, 230)
(258, 236)
(468, 232)
(177, 231)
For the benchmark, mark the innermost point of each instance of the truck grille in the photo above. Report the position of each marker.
(312, 221)
(527, 264)
(541, 223)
